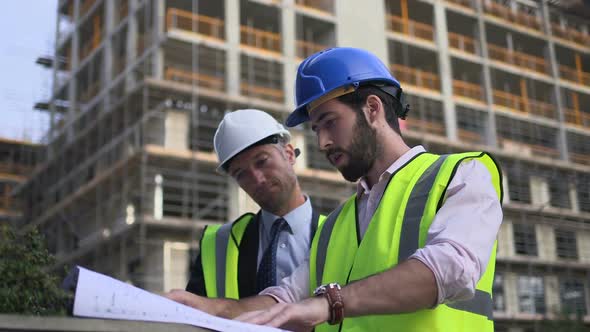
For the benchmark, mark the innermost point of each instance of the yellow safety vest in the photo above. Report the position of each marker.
(219, 257)
(398, 228)
(220, 252)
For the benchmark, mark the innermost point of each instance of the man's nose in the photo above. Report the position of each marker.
(324, 140)
(258, 176)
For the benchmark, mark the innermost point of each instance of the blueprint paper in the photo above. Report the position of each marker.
(101, 296)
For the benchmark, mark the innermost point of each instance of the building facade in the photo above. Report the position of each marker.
(17, 161)
(129, 180)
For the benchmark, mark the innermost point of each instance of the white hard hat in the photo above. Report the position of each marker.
(241, 129)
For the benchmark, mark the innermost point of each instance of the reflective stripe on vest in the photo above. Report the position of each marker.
(208, 259)
(219, 257)
(420, 187)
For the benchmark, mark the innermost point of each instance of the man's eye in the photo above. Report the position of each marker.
(261, 162)
(237, 175)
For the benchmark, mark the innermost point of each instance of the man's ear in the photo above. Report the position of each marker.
(290, 153)
(373, 109)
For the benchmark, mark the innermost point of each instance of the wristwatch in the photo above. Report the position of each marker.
(332, 293)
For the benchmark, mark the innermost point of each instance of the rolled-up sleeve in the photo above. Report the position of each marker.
(462, 234)
(293, 288)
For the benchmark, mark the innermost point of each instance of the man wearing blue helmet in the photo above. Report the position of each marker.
(414, 248)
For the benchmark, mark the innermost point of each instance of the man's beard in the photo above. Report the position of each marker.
(362, 152)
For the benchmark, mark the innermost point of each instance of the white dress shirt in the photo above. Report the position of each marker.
(459, 241)
(294, 241)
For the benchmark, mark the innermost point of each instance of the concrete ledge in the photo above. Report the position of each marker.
(71, 324)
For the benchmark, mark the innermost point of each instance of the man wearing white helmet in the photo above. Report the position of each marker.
(241, 258)
(414, 248)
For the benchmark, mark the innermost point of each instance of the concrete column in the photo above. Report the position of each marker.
(52, 107)
(561, 137)
(232, 36)
(491, 137)
(176, 130)
(551, 284)
(288, 36)
(131, 46)
(546, 242)
(445, 70)
(573, 195)
(539, 191)
(509, 41)
(506, 240)
(158, 37)
(369, 32)
(107, 68)
(583, 241)
(72, 88)
(73, 85)
(511, 292)
(158, 197)
(505, 187)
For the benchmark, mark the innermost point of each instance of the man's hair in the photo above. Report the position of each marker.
(359, 97)
(276, 139)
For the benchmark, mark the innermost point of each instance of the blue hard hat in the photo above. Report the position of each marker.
(320, 76)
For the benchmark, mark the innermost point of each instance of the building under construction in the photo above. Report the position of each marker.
(17, 160)
(129, 180)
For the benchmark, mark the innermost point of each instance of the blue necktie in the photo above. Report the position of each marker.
(267, 271)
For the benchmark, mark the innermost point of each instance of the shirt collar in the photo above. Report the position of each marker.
(297, 219)
(363, 188)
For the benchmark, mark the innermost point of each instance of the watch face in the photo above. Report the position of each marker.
(320, 290)
(334, 285)
(323, 288)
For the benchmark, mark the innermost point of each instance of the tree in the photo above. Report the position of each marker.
(26, 286)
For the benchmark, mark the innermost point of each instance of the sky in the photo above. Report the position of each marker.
(27, 31)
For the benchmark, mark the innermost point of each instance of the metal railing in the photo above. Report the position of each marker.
(187, 76)
(416, 77)
(527, 148)
(203, 25)
(264, 92)
(570, 34)
(306, 48)
(321, 5)
(14, 168)
(468, 90)
(262, 39)
(577, 117)
(409, 27)
(463, 43)
(580, 158)
(524, 105)
(422, 125)
(469, 136)
(517, 59)
(514, 17)
(571, 74)
(463, 3)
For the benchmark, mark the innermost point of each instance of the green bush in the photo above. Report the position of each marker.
(25, 285)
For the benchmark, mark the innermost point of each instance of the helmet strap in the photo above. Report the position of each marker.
(402, 107)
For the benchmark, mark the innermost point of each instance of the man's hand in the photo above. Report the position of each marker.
(211, 306)
(226, 308)
(301, 316)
